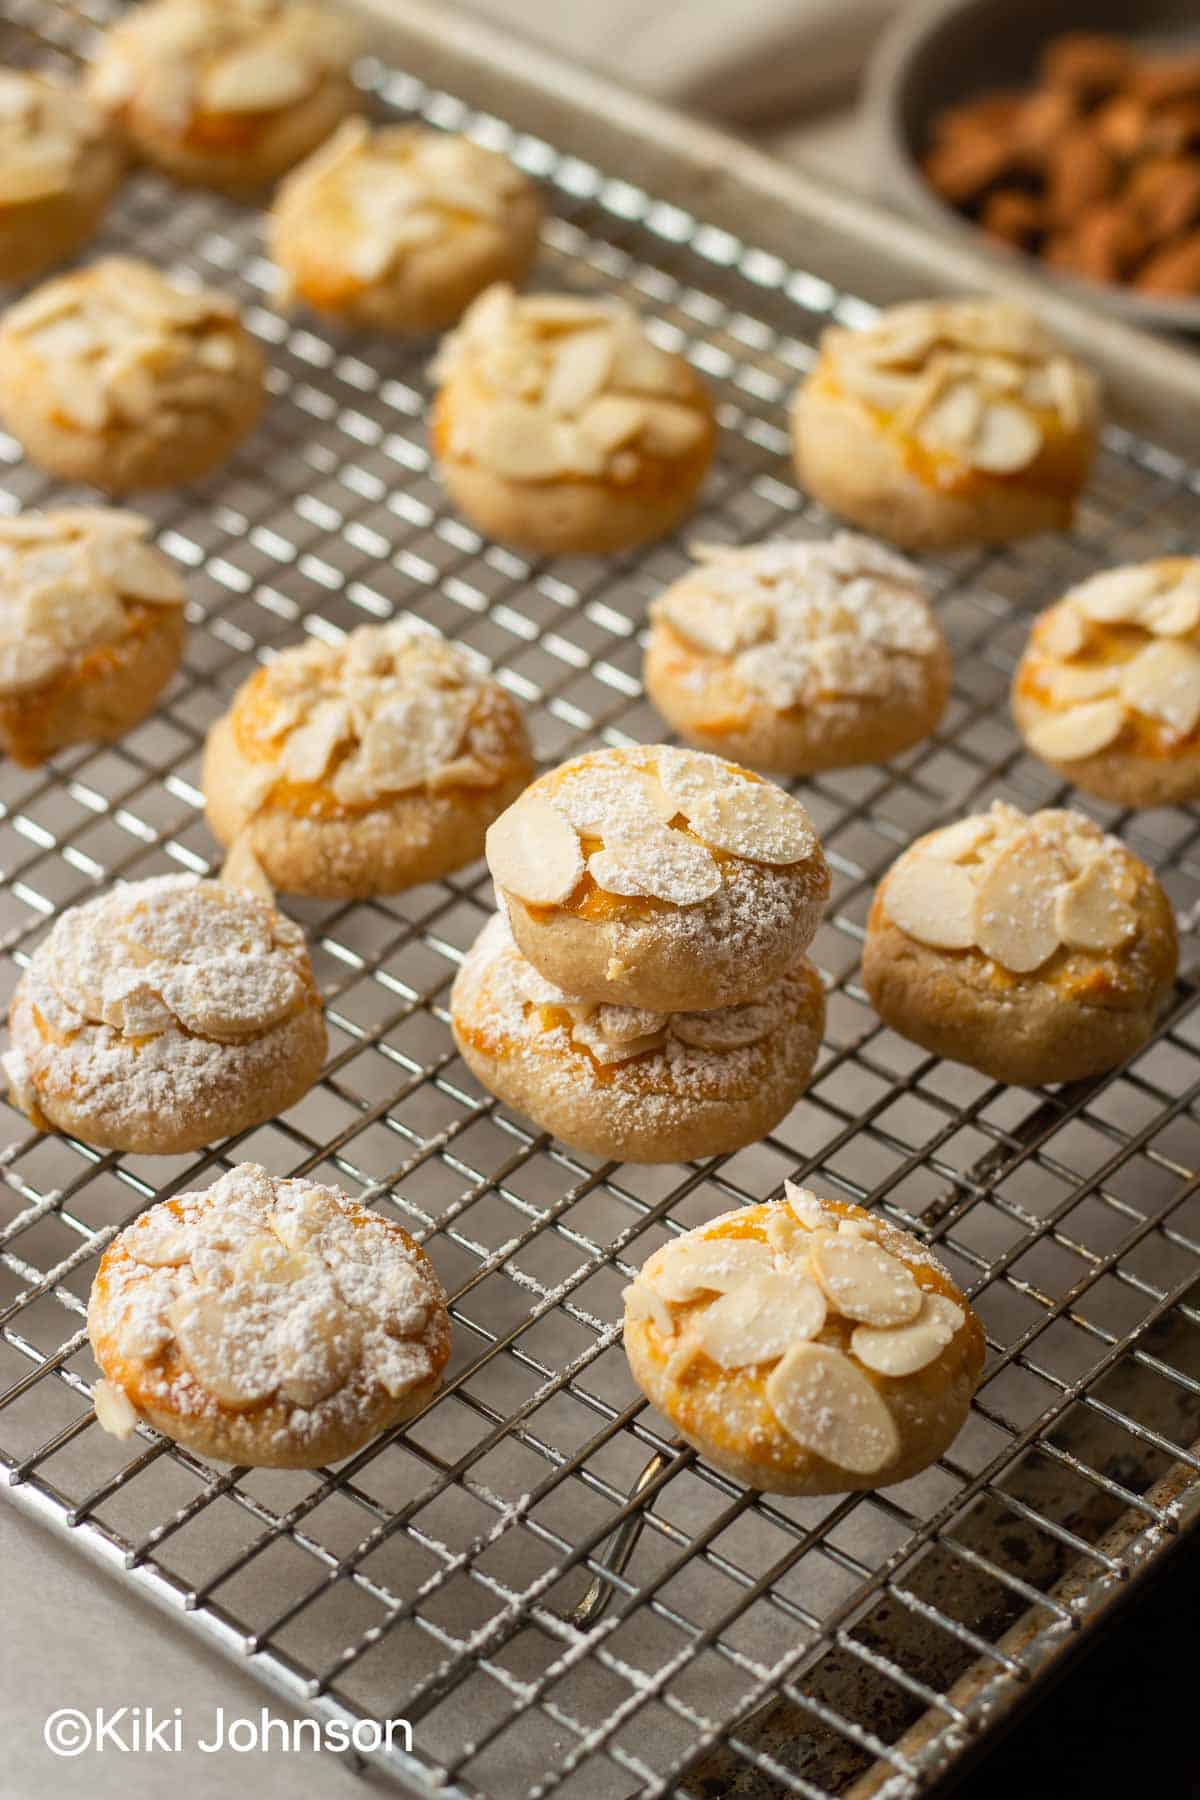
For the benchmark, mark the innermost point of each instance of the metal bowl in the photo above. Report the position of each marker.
(941, 52)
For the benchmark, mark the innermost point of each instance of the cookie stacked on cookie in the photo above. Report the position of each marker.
(644, 992)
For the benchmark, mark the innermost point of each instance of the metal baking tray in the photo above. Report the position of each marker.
(557, 1596)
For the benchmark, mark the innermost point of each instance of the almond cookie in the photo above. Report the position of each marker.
(805, 1346)
(91, 628)
(226, 93)
(1108, 690)
(164, 1015)
(367, 766)
(797, 656)
(114, 376)
(1035, 949)
(399, 229)
(275, 1323)
(659, 878)
(60, 165)
(947, 422)
(561, 428)
(626, 1083)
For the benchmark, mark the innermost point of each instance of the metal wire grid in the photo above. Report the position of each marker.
(556, 1595)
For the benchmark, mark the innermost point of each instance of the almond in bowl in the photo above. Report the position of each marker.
(1107, 692)
(947, 422)
(560, 427)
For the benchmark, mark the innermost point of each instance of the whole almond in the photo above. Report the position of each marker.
(1080, 171)
(963, 167)
(1121, 125)
(1013, 216)
(1173, 270)
(1087, 63)
(1106, 243)
(1041, 121)
(1164, 78)
(1165, 194)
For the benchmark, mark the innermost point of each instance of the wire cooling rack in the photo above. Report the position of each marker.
(557, 1596)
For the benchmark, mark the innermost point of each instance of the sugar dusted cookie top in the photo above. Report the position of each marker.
(980, 381)
(281, 1301)
(69, 581)
(802, 621)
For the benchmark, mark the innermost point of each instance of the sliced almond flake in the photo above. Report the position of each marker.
(299, 1226)
(933, 901)
(257, 79)
(228, 998)
(644, 1306)
(243, 871)
(656, 862)
(1163, 681)
(490, 318)
(533, 986)
(955, 843)
(904, 1349)
(133, 1005)
(555, 313)
(1008, 439)
(463, 771)
(140, 572)
(1082, 731)
(315, 1363)
(625, 1024)
(1090, 915)
(142, 1336)
(255, 784)
(534, 853)
(827, 1405)
(612, 420)
(755, 820)
(717, 622)
(159, 1245)
(1062, 632)
(1070, 391)
(1175, 613)
(865, 1282)
(211, 1336)
(761, 1319)
(115, 1411)
(670, 430)
(884, 389)
(606, 1050)
(1067, 686)
(519, 442)
(694, 1265)
(27, 663)
(953, 420)
(1015, 905)
(308, 751)
(578, 372)
(72, 616)
(727, 1028)
(1117, 596)
(411, 736)
(641, 367)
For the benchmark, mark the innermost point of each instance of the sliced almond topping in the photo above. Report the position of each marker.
(1089, 914)
(1015, 903)
(670, 430)
(932, 900)
(1163, 681)
(256, 80)
(756, 820)
(865, 1282)
(578, 372)
(115, 1411)
(954, 843)
(612, 420)
(906, 1348)
(309, 750)
(785, 1233)
(159, 1245)
(1082, 731)
(315, 1363)
(1008, 439)
(519, 441)
(728, 1028)
(652, 860)
(28, 663)
(761, 1318)
(1116, 596)
(827, 1405)
(243, 871)
(626, 1024)
(693, 1265)
(534, 853)
(1069, 685)
(643, 1305)
(1061, 632)
(609, 1050)
(142, 1335)
(215, 1347)
(134, 1006)
(229, 998)
(1177, 612)
(297, 1227)
(953, 420)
